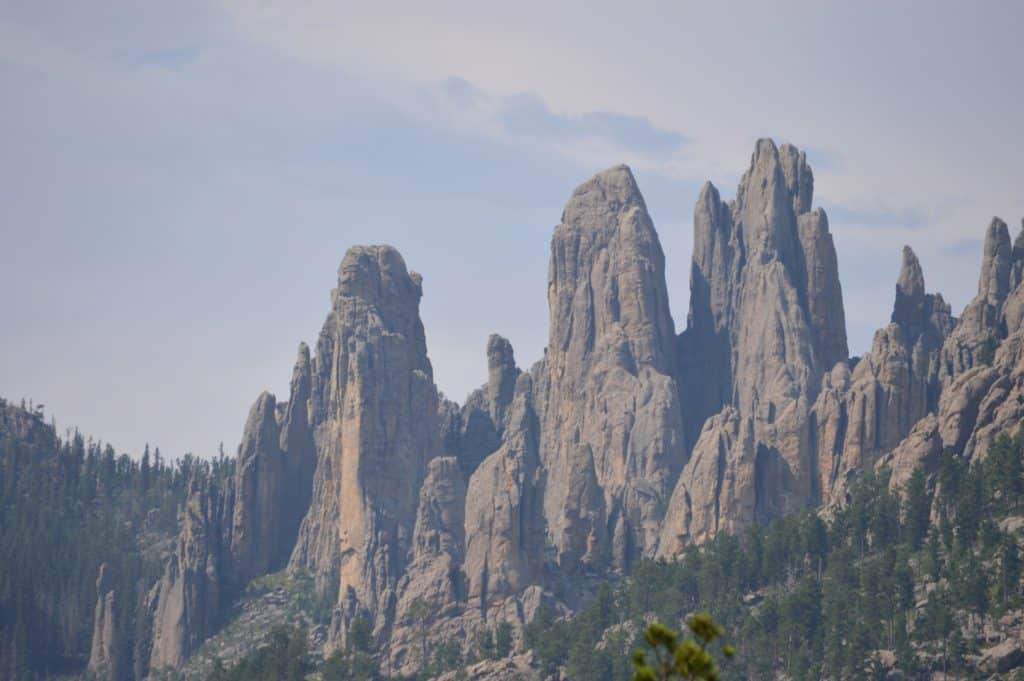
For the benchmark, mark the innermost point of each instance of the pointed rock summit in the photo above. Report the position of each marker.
(611, 438)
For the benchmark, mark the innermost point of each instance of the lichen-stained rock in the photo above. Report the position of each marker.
(504, 516)
(105, 656)
(261, 481)
(187, 602)
(717, 490)
(374, 411)
(612, 439)
(766, 317)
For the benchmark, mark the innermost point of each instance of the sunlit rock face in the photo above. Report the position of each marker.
(374, 413)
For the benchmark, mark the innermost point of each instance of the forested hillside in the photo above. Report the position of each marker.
(67, 506)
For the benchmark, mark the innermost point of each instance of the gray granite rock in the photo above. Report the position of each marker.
(611, 427)
(374, 413)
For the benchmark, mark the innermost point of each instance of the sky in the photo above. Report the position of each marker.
(179, 181)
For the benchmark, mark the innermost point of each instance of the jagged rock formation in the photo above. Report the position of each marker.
(105, 653)
(611, 426)
(374, 413)
(982, 326)
(476, 430)
(866, 410)
(440, 521)
(766, 320)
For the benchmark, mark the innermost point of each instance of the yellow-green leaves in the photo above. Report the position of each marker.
(688, 659)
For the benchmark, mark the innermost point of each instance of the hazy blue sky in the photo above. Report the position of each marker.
(179, 180)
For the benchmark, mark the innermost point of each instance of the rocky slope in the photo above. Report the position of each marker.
(438, 521)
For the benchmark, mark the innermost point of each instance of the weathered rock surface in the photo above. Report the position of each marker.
(374, 412)
(105, 655)
(438, 542)
(920, 449)
(515, 668)
(611, 428)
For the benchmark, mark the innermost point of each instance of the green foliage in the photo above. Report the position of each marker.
(357, 661)
(669, 658)
(66, 506)
(284, 658)
(811, 599)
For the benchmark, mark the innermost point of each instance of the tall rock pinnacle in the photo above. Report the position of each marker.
(611, 433)
(374, 411)
(765, 323)
(257, 543)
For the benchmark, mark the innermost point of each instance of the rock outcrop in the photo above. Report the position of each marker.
(187, 603)
(504, 518)
(433, 575)
(374, 414)
(867, 409)
(765, 322)
(982, 325)
(105, 655)
(611, 427)
(476, 429)
(258, 543)
(717, 490)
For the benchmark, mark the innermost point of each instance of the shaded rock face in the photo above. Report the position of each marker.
(105, 655)
(187, 602)
(611, 428)
(374, 414)
(475, 430)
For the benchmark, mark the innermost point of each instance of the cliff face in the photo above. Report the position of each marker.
(436, 520)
